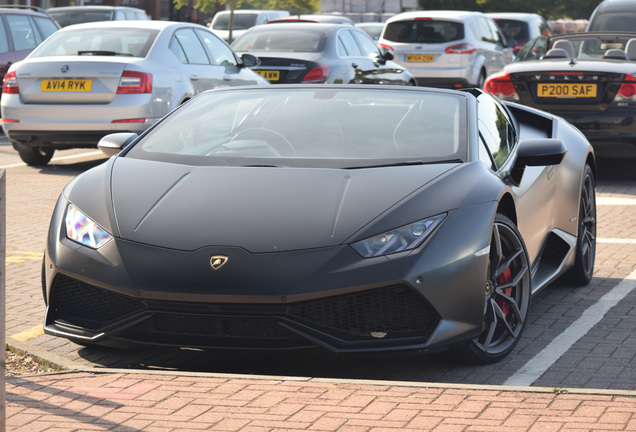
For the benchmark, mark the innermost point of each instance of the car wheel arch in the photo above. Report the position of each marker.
(507, 207)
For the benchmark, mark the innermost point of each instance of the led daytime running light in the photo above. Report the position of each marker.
(80, 229)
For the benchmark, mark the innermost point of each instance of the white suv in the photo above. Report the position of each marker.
(452, 49)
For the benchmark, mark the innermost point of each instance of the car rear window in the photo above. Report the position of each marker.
(514, 29)
(66, 18)
(614, 21)
(424, 31)
(240, 21)
(280, 41)
(126, 42)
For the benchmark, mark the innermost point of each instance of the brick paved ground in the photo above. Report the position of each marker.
(125, 402)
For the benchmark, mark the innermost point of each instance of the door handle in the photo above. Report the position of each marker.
(194, 77)
(355, 65)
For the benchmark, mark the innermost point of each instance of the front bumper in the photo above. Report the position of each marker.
(330, 297)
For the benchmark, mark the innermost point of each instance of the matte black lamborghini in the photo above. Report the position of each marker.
(345, 217)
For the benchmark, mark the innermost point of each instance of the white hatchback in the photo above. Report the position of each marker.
(451, 49)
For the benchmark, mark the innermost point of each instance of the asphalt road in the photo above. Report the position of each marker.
(576, 337)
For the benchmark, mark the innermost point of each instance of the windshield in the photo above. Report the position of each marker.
(128, 42)
(240, 21)
(424, 31)
(280, 41)
(303, 127)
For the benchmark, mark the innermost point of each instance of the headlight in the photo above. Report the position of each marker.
(81, 229)
(398, 240)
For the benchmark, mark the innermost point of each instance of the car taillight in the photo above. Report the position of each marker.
(627, 90)
(317, 74)
(463, 48)
(135, 82)
(386, 47)
(517, 47)
(501, 86)
(10, 84)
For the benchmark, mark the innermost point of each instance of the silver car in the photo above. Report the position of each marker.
(89, 80)
(452, 49)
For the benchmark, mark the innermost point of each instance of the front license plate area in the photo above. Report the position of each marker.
(420, 58)
(569, 90)
(66, 85)
(269, 75)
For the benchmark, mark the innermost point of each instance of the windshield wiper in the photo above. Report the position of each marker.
(103, 53)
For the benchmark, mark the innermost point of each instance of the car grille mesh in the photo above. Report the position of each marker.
(394, 311)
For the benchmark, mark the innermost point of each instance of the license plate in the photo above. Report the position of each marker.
(66, 85)
(420, 58)
(269, 75)
(566, 90)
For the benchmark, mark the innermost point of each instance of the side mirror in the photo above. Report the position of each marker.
(536, 152)
(250, 60)
(540, 152)
(112, 144)
(387, 55)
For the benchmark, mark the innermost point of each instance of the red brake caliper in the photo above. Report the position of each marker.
(505, 277)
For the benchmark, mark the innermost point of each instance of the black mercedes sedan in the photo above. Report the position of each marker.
(320, 53)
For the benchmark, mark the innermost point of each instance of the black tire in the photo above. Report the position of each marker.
(481, 80)
(507, 298)
(36, 156)
(581, 272)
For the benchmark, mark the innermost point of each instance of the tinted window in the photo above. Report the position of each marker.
(240, 21)
(424, 31)
(614, 21)
(514, 30)
(281, 41)
(221, 53)
(65, 18)
(495, 129)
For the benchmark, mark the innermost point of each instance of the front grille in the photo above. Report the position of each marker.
(395, 312)
(89, 306)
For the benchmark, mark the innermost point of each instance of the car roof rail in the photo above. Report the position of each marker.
(25, 7)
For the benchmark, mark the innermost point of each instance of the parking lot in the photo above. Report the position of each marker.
(576, 337)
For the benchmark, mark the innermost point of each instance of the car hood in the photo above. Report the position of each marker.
(260, 209)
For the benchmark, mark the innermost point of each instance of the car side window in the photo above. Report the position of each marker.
(495, 128)
(221, 53)
(367, 46)
(4, 41)
(533, 50)
(23, 34)
(191, 49)
(483, 30)
(46, 26)
(498, 39)
(484, 154)
(346, 40)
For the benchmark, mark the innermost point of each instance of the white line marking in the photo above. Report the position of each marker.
(93, 153)
(615, 201)
(540, 363)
